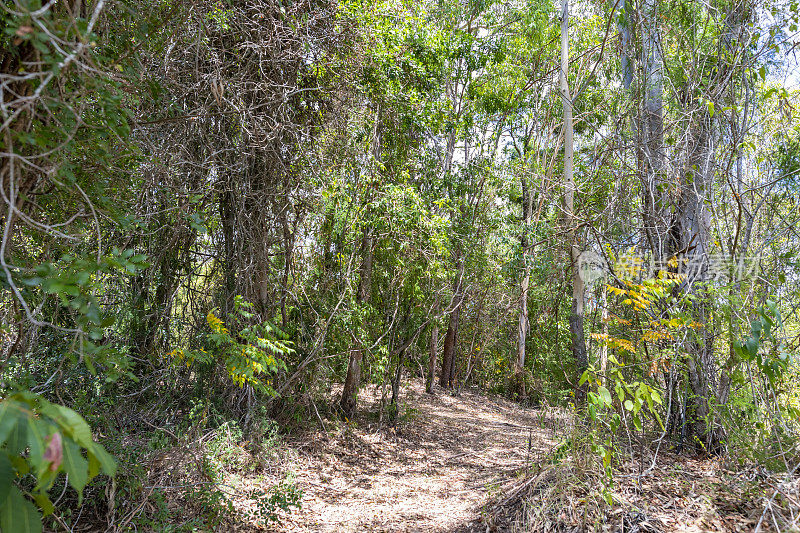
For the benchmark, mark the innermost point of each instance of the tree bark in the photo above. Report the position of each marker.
(395, 410)
(227, 216)
(694, 231)
(353, 379)
(656, 216)
(433, 348)
(576, 314)
(524, 325)
(449, 350)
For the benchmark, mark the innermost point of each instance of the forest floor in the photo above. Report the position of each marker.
(433, 472)
(472, 463)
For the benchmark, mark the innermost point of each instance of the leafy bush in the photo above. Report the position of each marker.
(248, 352)
(282, 496)
(38, 441)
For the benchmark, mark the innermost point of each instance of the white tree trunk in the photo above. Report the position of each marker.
(576, 315)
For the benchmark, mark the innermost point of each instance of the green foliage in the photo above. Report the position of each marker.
(628, 400)
(75, 283)
(774, 362)
(248, 353)
(280, 497)
(38, 441)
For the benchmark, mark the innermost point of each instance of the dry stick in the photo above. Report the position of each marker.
(522, 487)
(165, 430)
(320, 419)
(769, 505)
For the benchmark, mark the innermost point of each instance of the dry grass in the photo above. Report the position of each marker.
(472, 463)
(680, 494)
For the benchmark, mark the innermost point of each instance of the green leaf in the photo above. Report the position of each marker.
(629, 405)
(660, 423)
(75, 425)
(44, 503)
(37, 433)
(656, 397)
(75, 466)
(742, 349)
(18, 515)
(94, 466)
(9, 417)
(103, 457)
(6, 476)
(19, 464)
(605, 395)
(751, 347)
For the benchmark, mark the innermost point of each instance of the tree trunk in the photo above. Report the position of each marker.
(656, 216)
(227, 215)
(524, 324)
(434, 343)
(694, 230)
(449, 350)
(605, 317)
(394, 409)
(353, 379)
(576, 314)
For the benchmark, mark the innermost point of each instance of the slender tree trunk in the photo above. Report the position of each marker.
(353, 380)
(282, 211)
(524, 324)
(395, 410)
(694, 230)
(656, 216)
(449, 350)
(576, 315)
(227, 215)
(451, 375)
(433, 348)
(604, 346)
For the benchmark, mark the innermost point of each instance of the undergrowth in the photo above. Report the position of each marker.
(204, 473)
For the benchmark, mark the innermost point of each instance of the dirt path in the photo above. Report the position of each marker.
(432, 475)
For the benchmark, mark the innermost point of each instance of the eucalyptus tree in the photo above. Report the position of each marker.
(578, 289)
(690, 70)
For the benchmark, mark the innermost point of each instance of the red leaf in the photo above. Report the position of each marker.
(54, 452)
(22, 31)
